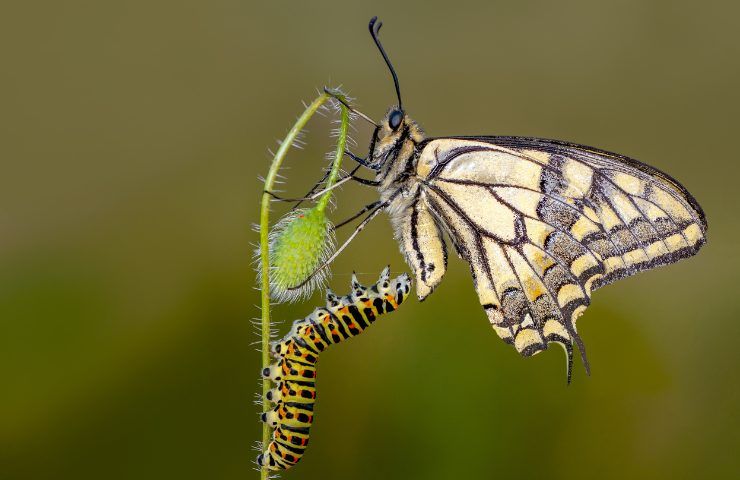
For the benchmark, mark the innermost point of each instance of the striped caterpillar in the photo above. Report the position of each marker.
(298, 352)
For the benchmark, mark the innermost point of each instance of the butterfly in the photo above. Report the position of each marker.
(542, 223)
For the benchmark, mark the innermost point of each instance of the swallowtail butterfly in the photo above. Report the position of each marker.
(542, 223)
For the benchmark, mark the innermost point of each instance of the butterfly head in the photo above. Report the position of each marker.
(395, 133)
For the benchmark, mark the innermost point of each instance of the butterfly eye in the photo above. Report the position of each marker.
(395, 118)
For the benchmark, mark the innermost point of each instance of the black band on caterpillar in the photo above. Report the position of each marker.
(298, 352)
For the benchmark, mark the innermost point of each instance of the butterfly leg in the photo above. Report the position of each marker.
(311, 196)
(365, 181)
(366, 208)
(361, 161)
(278, 198)
(306, 197)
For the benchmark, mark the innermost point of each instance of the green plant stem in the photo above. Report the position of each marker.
(265, 252)
(338, 155)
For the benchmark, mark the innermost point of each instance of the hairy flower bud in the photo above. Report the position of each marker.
(299, 243)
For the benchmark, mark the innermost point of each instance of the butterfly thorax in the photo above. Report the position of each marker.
(394, 152)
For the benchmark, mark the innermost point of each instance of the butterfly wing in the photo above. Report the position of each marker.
(420, 236)
(544, 223)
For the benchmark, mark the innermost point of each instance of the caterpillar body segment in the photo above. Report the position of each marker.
(297, 355)
(290, 414)
(295, 349)
(292, 391)
(290, 370)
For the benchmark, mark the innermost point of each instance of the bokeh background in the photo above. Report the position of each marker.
(132, 134)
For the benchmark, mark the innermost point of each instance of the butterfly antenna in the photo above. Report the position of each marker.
(374, 29)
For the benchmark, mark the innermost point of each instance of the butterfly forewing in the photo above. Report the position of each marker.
(543, 224)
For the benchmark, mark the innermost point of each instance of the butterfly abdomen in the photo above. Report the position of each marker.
(297, 354)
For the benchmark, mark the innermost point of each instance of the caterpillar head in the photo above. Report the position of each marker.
(402, 287)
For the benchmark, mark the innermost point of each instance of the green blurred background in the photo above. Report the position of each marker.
(132, 135)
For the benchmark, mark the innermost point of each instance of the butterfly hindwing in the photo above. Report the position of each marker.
(524, 284)
(544, 223)
(421, 242)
